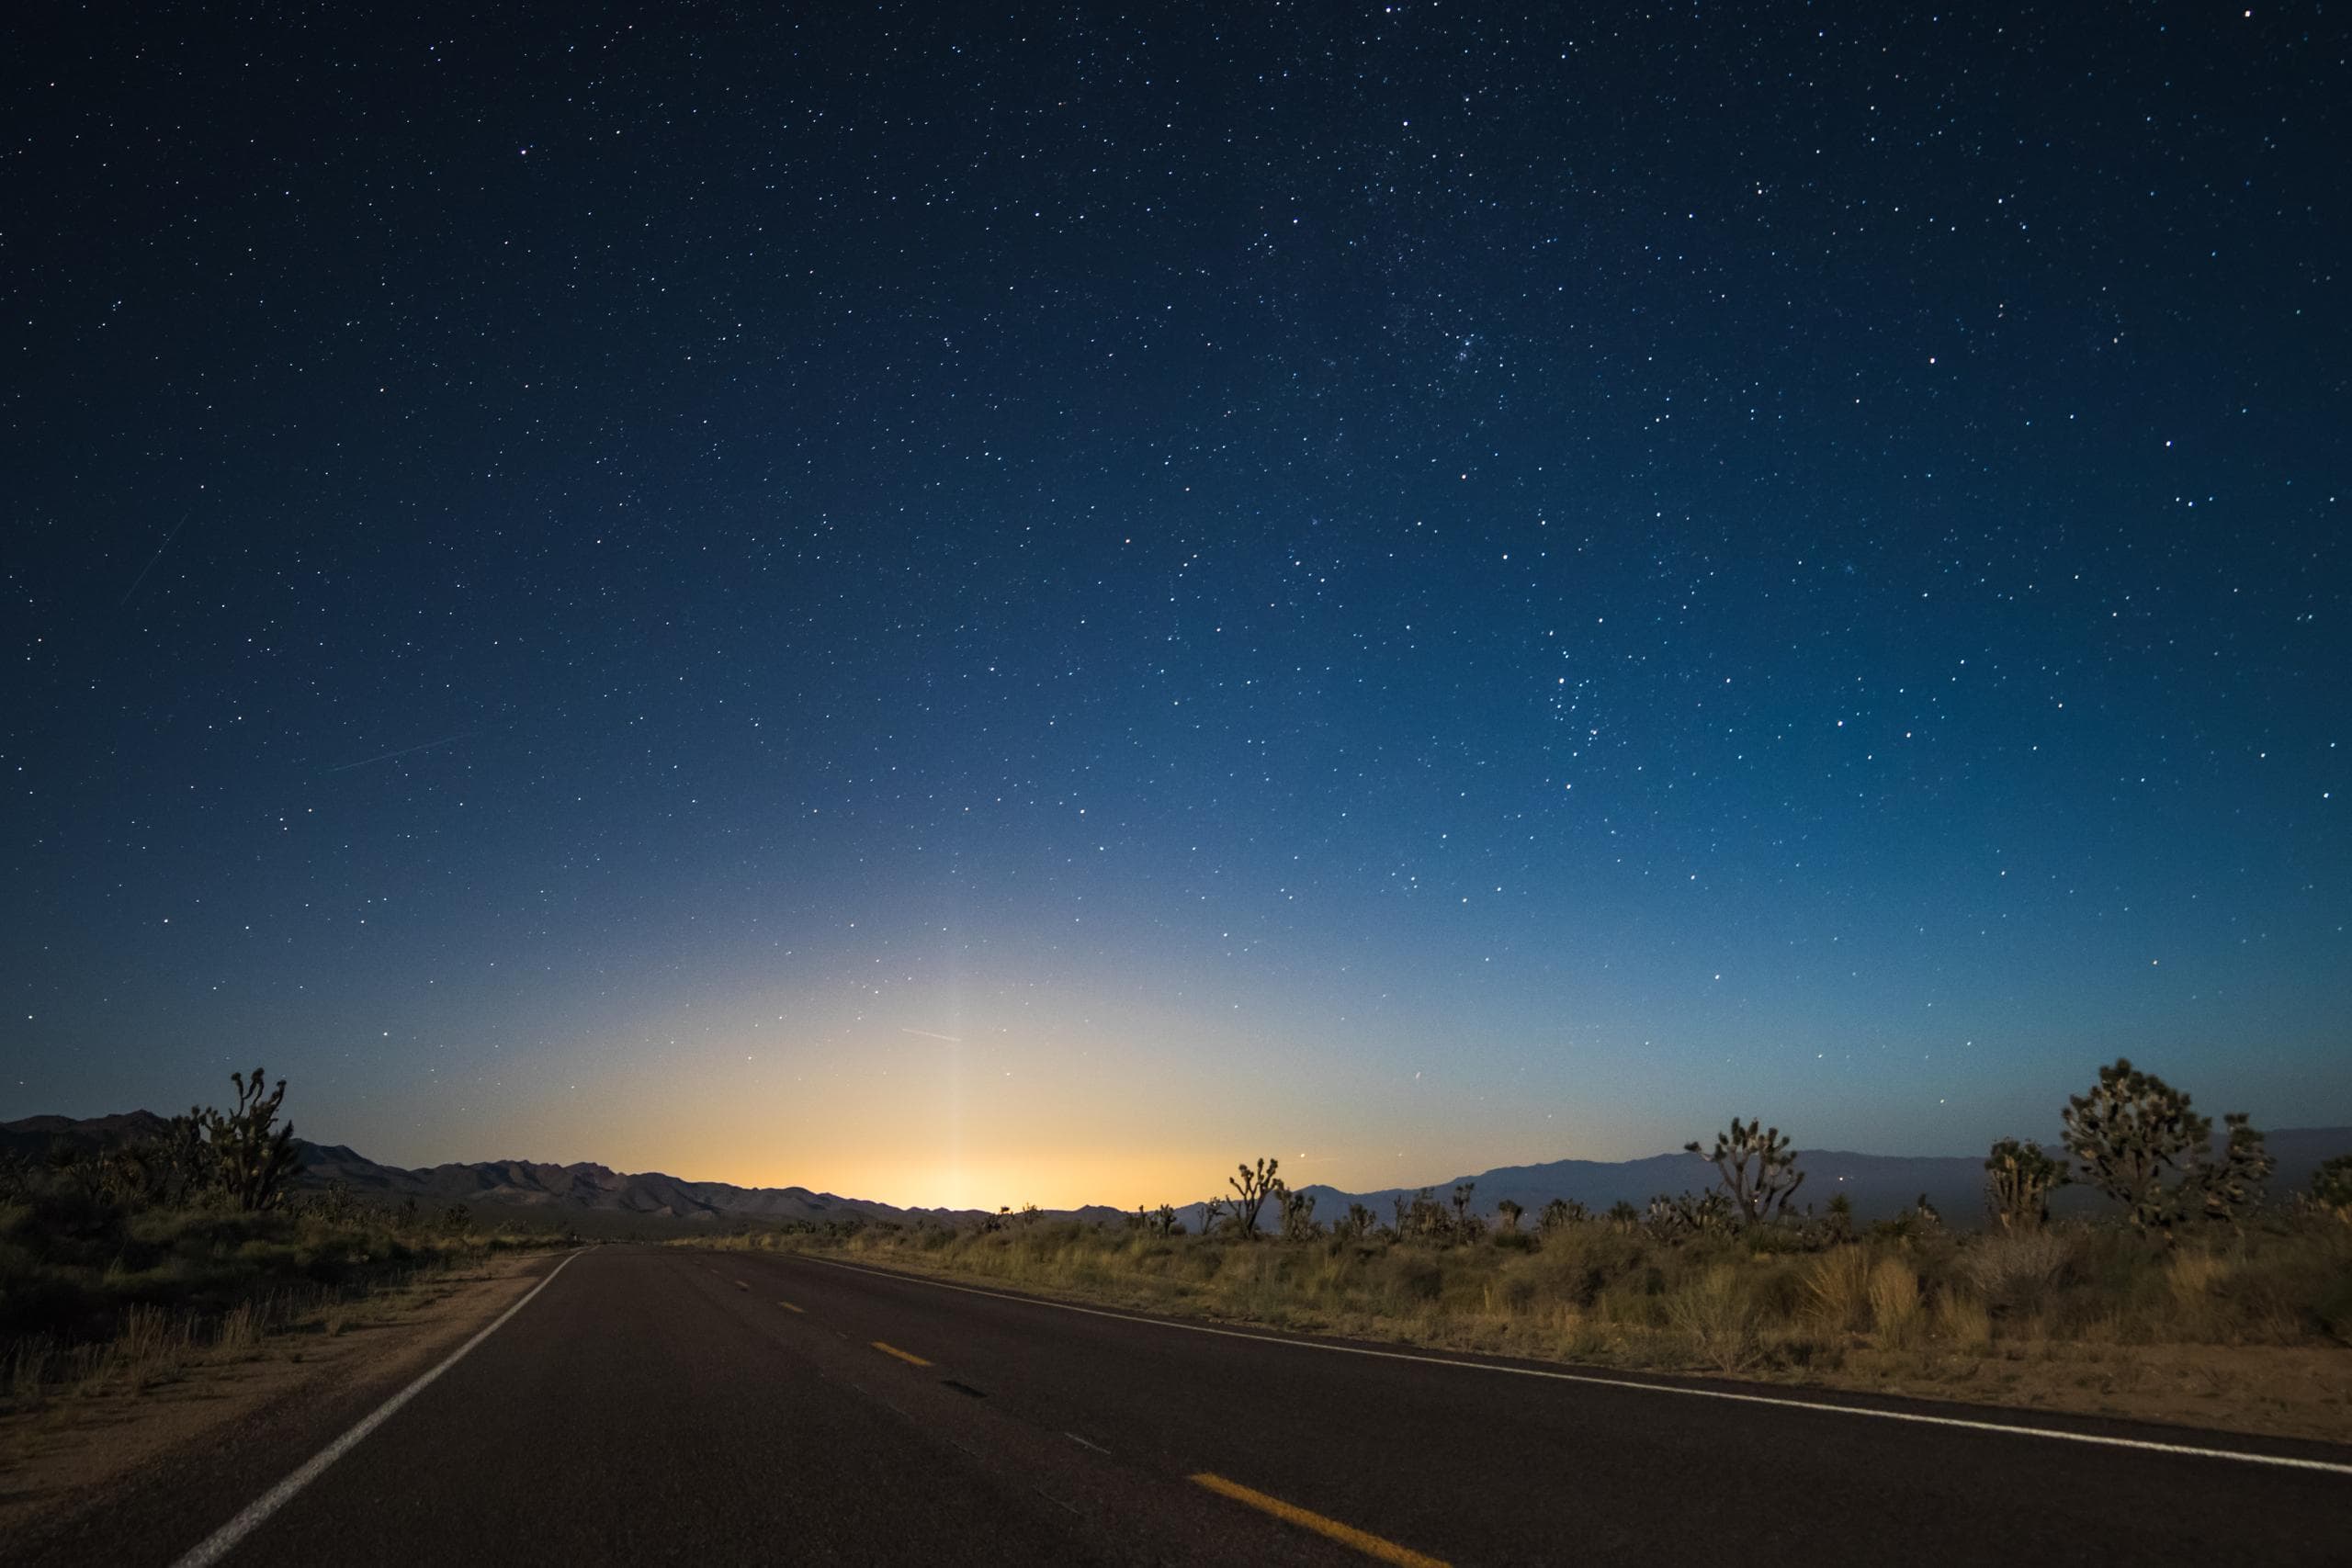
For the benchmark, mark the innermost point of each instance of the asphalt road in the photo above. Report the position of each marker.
(711, 1408)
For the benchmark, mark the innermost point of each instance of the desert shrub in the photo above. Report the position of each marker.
(1837, 1289)
(1777, 1288)
(2334, 1308)
(1712, 1310)
(2018, 1272)
(1412, 1276)
(2193, 1277)
(1894, 1293)
(2278, 1287)
(1961, 1319)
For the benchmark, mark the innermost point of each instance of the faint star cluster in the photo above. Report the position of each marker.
(571, 575)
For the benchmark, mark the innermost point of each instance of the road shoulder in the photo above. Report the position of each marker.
(159, 1448)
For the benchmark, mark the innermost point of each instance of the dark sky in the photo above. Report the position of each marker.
(962, 604)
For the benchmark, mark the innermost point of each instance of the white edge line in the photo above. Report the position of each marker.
(222, 1542)
(2054, 1434)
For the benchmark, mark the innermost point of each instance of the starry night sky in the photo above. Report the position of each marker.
(977, 607)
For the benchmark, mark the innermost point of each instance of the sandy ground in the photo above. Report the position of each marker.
(2279, 1391)
(61, 1460)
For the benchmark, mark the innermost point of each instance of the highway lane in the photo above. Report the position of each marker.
(1480, 1467)
(686, 1405)
(650, 1408)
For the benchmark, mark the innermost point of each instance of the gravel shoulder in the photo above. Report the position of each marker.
(85, 1452)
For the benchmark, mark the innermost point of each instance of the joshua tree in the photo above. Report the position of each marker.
(1506, 1216)
(1359, 1222)
(337, 1205)
(1251, 1188)
(2331, 1187)
(1461, 1190)
(1671, 1219)
(2129, 1131)
(191, 1167)
(2233, 1187)
(1212, 1210)
(16, 1173)
(1161, 1221)
(1774, 1181)
(1422, 1215)
(2021, 1179)
(1839, 1218)
(254, 1156)
(1622, 1215)
(1559, 1214)
(1297, 1210)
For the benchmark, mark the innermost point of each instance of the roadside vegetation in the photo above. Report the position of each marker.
(121, 1265)
(2195, 1254)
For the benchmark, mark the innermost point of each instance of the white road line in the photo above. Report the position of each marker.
(222, 1542)
(2054, 1434)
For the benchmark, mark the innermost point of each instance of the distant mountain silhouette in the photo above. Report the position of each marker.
(1878, 1185)
(514, 1183)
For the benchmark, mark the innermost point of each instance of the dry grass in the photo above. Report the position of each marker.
(1837, 1289)
(1714, 1313)
(1894, 1293)
(193, 1287)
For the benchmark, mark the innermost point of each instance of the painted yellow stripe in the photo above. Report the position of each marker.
(1346, 1535)
(789, 1307)
(906, 1356)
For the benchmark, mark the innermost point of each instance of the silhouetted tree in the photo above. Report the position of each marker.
(1559, 1214)
(2331, 1187)
(1772, 1181)
(1251, 1188)
(1297, 1211)
(255, 1153)
(1507, 1214)
(2018, 1182)
(2232, 1187)
(2129, 1131)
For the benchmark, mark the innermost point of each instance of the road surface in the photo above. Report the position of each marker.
(690, 1407)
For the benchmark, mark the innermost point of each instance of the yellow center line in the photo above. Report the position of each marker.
(1346, 1535)
(906, 1356)
(789, 1307)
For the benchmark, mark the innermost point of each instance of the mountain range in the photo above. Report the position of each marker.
(1878, 1185)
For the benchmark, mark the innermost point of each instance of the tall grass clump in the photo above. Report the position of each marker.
(1894, 1295)
(1713, 1312)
